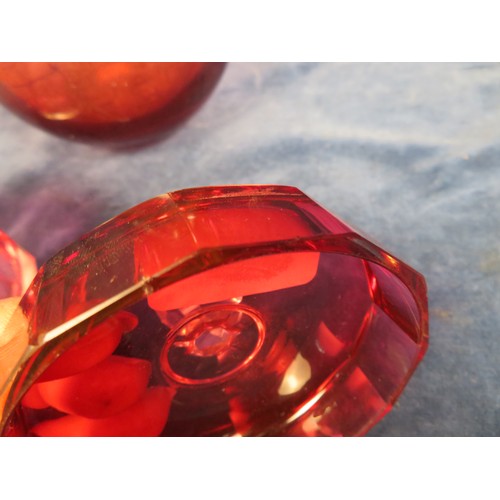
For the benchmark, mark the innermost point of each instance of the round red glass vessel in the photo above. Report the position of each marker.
(220, 311)
(116, 103)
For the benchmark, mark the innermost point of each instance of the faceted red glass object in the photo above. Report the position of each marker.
(119, 103)
(220, 311)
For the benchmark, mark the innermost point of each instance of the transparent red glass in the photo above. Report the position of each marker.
(17, 268)
(115, 103)
(219, 311)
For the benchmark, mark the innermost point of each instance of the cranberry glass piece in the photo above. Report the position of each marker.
(17, 268)
(121, 103)
(220, 311)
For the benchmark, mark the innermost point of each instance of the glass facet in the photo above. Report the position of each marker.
(218, 311)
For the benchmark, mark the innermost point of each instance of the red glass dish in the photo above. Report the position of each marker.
(219, 311)
(116, 103)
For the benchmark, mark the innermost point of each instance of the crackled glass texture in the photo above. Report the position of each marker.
(124, 104)
(221, 311)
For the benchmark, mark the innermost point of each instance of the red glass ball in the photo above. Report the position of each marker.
(118, 103)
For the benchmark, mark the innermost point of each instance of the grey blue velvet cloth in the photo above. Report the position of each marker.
(409, 153)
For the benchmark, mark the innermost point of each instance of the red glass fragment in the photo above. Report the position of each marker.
(101, 391)
(99, 343)
(244, 310)
(33, 399)
(123, 103)
(145, 418)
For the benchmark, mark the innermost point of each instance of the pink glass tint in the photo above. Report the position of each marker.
(220, 311)
(17, 268)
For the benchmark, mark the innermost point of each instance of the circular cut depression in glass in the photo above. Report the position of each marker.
(283, 343)
(211, 345)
